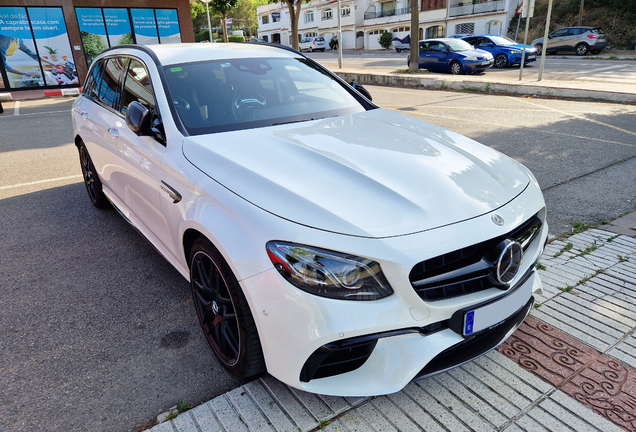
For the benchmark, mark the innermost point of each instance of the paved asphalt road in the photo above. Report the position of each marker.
(98, 332)
(569, 67)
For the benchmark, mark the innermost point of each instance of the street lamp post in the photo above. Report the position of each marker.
(339, 37)
(207, 10)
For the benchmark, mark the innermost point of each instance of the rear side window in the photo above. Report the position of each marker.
(137, 87)
(109, 89)
(91, 89)
(597, 31)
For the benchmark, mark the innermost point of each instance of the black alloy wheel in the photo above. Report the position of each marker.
(501, 61)
(91, 179)
(223, 312)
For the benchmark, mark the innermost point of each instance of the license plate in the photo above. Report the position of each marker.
(531, 56)
(496, 312)
(485, 62)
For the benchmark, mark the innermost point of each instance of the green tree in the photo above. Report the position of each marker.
(222, 8)
(294, 7)
(385, 40)
(93, 45)
(126, 39)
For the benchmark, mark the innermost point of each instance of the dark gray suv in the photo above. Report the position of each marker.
(582, 40)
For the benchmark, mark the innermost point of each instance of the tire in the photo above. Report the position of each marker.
(456, 68)
(223, 312)
(311, 49)
(398, 50)
(91, 179)
(539, 48)
(582, 49)
(501, 61)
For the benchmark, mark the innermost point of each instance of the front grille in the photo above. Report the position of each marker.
(467, 270)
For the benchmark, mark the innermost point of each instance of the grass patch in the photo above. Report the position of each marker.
(589, 249)
(565, 249)
(579, 227)
(621, 258)
(487, 86)
(537, 305)
(566, 289)
(540, 266)
(409, 71)
(609, 240)
(323, 424)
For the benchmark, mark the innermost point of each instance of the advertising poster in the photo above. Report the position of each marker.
(168, 24)
(51, 39)
(118, 26)
(145, 26)
(92, 32)
(17, 49)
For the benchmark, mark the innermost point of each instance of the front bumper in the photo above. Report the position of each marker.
(470, 66)
(401, 334)
(516, 59)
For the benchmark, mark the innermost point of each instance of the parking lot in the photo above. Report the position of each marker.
(99, 332)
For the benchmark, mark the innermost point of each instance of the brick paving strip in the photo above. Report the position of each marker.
(577, 352)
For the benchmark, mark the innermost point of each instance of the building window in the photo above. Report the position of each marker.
(265, 19)
(327, 14)
(345, 10)
(265, 38)
(465, 28)
(388, 8)
(309, 16)
(275, 17)
(435, 32)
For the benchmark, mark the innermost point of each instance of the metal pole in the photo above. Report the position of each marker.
(517, 32)
(523, 55)
(207, 10)
(545, 40)
(339, 37)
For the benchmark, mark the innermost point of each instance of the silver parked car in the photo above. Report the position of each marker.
(582, 40)
(312, 44)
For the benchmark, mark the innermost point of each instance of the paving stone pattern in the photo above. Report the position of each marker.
(570, 367)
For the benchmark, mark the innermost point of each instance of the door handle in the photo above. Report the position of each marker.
(172, 193)
(113, 131)
(84, 114)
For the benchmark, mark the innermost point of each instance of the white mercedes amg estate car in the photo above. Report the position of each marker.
(343, 248)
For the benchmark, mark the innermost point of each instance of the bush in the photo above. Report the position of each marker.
(203, 35)
(236, 38)
(385, 40)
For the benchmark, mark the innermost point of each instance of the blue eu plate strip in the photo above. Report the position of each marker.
(468, 323)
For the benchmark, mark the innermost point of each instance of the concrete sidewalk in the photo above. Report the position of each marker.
(570, 366)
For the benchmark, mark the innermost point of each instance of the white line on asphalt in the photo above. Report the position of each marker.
(593, 71)
(16, 110)
(41, 181)
(36, 113)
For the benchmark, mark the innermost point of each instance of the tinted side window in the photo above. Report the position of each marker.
(109, 89)
(137, 87)
(91, 89)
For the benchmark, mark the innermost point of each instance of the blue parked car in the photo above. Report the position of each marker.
(505, 51)
(452, 55)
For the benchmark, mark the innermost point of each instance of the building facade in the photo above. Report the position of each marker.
(47, 44)
(363, 21)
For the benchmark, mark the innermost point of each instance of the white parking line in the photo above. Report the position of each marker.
(40, 181)
(16, 110)
(593, 71)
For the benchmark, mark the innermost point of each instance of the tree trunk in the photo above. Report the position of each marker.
(414, 65)
(294, 13)
(224, 23)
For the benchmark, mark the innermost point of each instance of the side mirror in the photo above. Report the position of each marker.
(550, 36)
(138, 118)
(364, 92)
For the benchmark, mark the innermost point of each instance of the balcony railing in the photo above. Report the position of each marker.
(372, 15)
(469, 7)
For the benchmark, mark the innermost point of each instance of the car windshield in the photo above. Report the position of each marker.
(456, 45)
(245, 93)
(502, 40)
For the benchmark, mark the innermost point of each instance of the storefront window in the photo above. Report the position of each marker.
(145, 26)
(168, 23)
(34, 48)
(118, 27)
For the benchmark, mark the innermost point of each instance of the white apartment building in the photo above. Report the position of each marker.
(363, 21)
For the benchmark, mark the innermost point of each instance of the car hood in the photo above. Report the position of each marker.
(371, 174)
(516, 47)
(474, 53)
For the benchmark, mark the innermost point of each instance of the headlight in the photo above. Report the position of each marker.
(327, 273)
(470, 58)
(515, 51)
